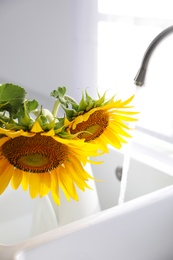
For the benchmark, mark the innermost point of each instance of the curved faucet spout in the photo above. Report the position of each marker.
(140, 77)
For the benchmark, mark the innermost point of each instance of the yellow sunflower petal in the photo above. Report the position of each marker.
(67, 185)
(55, 186)
(79, 119)
(120, 124)
(101, 144)
(14, 134)
(126, 118)
(119, 130)
(5, 178)
(117, 134)
(76, 177)
(119, 103)
(127, 101)
(111, 138)
(36, 128)
(34, 184)
(49, 133)
(126, 112)
(3, 165)
(45, 184)
(25, 180)
(79, 168)
(79, 147)
(17, 176)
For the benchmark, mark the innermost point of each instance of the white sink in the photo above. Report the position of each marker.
(141, 228)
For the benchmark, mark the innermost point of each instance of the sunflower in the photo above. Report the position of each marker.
(42, 162)
(101, 122)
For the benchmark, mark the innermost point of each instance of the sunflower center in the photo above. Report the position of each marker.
(93, 127)
(35, 154)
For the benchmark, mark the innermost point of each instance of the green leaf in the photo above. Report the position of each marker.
(59, 93)
(83, 104)
(23, 115)
(88, 98)
(11, 97)
(3, 104)
(100, 101)
(31, 105)
(69, 114)
(59, 124)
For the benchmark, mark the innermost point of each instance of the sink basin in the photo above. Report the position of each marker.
(140, 228)
(145, 175)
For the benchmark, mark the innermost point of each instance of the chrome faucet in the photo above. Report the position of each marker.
(140, 77)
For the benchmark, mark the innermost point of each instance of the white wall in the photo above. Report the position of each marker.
(48, 43)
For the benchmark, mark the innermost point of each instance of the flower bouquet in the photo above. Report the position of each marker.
(43, 152)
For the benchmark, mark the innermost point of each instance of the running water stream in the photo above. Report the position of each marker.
(126, 161)
(125, 170)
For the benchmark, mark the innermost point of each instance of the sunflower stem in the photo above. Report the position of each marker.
(68, 98)
(55, 108)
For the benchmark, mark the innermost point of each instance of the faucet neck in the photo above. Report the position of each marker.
(140, 76)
